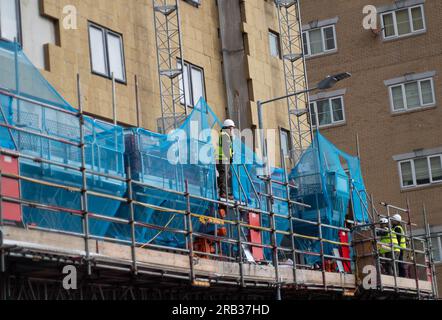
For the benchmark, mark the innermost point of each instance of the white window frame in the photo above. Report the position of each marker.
(404, 96)
(286, 132)
(333, 123)
(106, 32)
(396, 34)
(325, 51)
(429, 167)
(438, 239)
(278, 44)
(18, 24)
(413, 172)
(191, 66)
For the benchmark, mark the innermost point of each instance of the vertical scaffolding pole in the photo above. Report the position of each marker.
(321, 242)
(429, 246)
(416, 271)
(84, 196)
(295, 74)
(270, 201)
(392, 248)
(189, 232)
(290, 214)
(377, 257)
(17, 88)
(130, 201)
(168, 39)
(240, 251)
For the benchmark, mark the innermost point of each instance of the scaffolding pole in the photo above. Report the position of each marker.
(168, 37)
(295, 74)
(84, 196)
(269, 197)
(429, 252)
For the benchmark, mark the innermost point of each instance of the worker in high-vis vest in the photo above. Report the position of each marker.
(388, 246)
(225, 159)
(399, 231)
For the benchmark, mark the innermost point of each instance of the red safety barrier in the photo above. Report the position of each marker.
(345, 251)
(255, 236)
(10, 187)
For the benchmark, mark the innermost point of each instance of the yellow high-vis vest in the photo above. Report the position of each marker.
(400, 230)
(388, 239)
(221, 156)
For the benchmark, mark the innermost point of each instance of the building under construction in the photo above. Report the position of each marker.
(86, 184)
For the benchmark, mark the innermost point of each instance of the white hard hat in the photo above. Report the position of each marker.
(229, 124)
(383, 221)
(397, 217)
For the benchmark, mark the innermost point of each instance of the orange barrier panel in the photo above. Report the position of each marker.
(10, 188)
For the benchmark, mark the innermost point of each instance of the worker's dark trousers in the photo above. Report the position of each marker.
(387, 265)
(224, 179)
(401, 266)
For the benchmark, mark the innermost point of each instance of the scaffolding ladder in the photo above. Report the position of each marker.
(168, 39)
(295, 73)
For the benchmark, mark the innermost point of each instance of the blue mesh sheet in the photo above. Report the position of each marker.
(148, 155)
(104, 147)
(325, 185)
(322, 181)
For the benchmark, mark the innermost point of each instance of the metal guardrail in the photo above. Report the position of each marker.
(234, 223)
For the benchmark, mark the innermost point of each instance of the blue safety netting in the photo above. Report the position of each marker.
(327, 179)
(325, 176)
(163, 164)
(41, 132)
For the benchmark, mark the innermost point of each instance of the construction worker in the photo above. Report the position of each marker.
(387, 239)
(396, 222)
(225, 159)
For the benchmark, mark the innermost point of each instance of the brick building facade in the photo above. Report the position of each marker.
(392, 101)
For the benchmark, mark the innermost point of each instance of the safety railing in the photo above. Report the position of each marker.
(378, 245)
(279, 233)
(230, 247)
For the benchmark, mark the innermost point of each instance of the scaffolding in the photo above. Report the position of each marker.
(415, 263)
(167, 26)
(295, 74)
(285, 221)
(286, 263)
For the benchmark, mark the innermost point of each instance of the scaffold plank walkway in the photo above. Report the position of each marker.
(170, 264)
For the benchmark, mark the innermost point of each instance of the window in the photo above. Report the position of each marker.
(194, 86)
(421, 171)
(436, 243)
(275, 48)
(10, 20)
(107, 53)
(285, 142)
(403, 22)
(327, 112)
(412, 95)
(320, 40)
